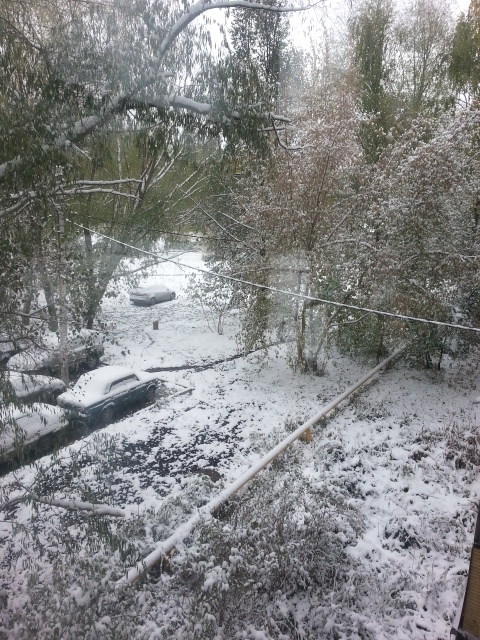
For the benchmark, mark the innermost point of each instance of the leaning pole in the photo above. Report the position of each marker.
(165, 548)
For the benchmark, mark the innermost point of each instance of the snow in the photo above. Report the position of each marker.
(33, 422)
(24, 384)
(37, 356)
(93, 386)
(398, 451)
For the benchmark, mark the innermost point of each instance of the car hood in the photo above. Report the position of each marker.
(24, 426)
(28, 360)
(24, 384)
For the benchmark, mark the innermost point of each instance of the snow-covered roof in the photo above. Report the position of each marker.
(34, 357)
(150, 288)
(31, 359)
(23, 384)
(103, 377)
(31, 424)
(92, 386)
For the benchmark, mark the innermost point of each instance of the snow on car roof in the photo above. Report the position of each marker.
(23, 383)
(93, 386)
(32, 423)
(100, 379)
(28, 359)
(152, 287)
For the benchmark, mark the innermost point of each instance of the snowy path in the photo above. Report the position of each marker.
(402, 452)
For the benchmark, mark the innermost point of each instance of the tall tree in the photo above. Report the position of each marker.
(73, 76)
(464, 67)
(423, 34)
(371, 34)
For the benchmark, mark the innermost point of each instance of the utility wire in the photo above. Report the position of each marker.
(170, 233)
(293, 294)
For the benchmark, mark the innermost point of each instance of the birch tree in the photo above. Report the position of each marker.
(75, 75)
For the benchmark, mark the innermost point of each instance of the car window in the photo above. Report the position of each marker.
(74, 343)
(123, 382)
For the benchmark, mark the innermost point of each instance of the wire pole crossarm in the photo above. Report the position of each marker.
(165, 548)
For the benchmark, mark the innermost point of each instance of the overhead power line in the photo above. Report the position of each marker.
(293, 294)
(170, 233)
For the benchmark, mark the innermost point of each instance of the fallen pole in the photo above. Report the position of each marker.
(165, 548)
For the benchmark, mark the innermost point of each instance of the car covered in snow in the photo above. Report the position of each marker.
(151, 295)
(26, 426)
(98, 394)
(27, 388)
(83, 348)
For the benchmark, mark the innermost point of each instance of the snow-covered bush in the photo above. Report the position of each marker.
(267, 566)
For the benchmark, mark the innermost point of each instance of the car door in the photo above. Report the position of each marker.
(164, 295)
(122, 391)
(135, 390)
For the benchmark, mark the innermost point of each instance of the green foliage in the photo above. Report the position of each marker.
(88, 127)
(370, 32)
(465, 54)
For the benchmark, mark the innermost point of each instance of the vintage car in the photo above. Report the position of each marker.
(27, 388)
(98, 394)
(83, 348)
(151, 295)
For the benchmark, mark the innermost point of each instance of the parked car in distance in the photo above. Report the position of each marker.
(27, 388)
(151, 295)
(23, 427)
(82, 348)
(98, 394)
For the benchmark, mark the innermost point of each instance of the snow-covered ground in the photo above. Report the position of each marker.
(404, 452)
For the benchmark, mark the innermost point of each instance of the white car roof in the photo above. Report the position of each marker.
(93, 386)
(102, 378)
(24, 383)
(28, 359)
(34, 422)
(152, 287)
(34, 357)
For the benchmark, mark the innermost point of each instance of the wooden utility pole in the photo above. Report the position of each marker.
(466, 625)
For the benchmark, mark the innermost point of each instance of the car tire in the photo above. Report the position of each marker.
(172, 295)
(151, 391)
(107, 414)
(91, 361)
(153, 301)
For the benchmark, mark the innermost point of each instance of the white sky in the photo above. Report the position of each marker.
(308, 26)
(332, 15)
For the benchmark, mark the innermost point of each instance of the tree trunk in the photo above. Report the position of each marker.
(50, 299)
(27, 304)
(301, 339)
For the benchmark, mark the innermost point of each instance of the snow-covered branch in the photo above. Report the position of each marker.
(107, 182)
(113, 192)
(76, 505)
(73, 505)
(131, 97)
(202, 6)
